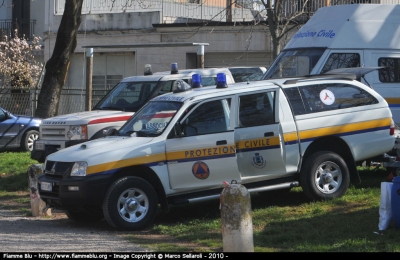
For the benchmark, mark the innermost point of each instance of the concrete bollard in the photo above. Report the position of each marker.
(237, 225)
(37, 204)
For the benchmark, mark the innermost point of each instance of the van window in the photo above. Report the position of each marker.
(391, 72)
(326, 97)
(341, 60)
(294, 62)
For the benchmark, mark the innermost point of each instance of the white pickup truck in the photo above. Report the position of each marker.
(182, 146)
(112, 111)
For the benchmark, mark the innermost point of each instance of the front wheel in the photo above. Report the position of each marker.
(130, 204)
(324, 175)
(28, 139)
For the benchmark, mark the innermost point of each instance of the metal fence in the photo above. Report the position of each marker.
(25, 102)
(24, 27)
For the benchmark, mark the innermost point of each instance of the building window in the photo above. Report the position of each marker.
(391, 72)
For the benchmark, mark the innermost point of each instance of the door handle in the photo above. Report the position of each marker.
(268, 134)
(221, 142)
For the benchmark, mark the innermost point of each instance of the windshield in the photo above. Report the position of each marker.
(127, 96)
(151, 120)
(294, 62)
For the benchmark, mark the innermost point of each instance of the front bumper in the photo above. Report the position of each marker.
(90, 191)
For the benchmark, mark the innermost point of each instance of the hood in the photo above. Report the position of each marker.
(95, 147)
(89, 117)
(28, 120)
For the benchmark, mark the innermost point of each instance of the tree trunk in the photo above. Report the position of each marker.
(57, 66)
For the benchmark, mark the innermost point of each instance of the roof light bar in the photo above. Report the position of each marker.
(147, 70)
(196, 81)
(174, 68)
(181, 86)
(221, 80)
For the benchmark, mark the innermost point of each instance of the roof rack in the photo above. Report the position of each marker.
(345, 76)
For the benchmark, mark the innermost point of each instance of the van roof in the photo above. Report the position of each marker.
(359, 26)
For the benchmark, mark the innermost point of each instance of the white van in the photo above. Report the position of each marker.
(348, 36)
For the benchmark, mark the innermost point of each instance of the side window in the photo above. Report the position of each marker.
(391, 72)
(167, 87)
(256, 109)
(208, 118)
(341, 60)
(2, 115)
(295, 101)
(325, 97)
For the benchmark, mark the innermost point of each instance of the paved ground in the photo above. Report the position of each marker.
(58, 234)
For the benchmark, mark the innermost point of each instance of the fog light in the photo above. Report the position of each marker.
(73, 188)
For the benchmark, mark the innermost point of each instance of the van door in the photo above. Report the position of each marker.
(205, 155)
(258, 136)
(334, 59)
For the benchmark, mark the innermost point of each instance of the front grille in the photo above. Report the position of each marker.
(53, 132)
(58, 169)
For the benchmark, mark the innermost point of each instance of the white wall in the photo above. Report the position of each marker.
(5, 10)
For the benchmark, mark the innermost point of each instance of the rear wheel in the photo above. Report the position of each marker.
(324, 175)
(130, 204)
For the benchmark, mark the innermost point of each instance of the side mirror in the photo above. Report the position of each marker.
(109, 132)
(8, 115)
(178, 130)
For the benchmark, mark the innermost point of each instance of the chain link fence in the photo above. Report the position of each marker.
(24, 102)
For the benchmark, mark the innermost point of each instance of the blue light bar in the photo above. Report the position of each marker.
(174, 68)
(196, 81)
(221, 80)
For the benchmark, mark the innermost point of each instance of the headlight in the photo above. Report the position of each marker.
(79, 169)
(77, 132)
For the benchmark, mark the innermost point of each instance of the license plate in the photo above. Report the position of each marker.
(39, 146)
(45, 186)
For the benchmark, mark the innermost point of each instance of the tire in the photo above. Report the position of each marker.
(324, 175)
(130, 204)
(28, 139)
(84, 216)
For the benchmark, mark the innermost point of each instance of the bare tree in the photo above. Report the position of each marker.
(57, 66)
(281, 21)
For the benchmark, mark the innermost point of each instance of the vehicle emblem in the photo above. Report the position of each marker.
(61, 132)
(258, 161)
(200, 170)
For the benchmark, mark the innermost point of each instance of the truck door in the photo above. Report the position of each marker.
(205, 155)
(258, 135)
